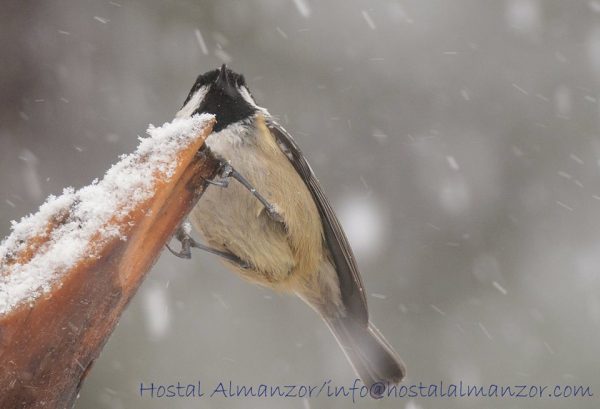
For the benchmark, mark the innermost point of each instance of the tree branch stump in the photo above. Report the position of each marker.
(50, 339)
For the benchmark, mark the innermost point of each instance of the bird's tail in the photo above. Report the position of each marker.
(371, 356)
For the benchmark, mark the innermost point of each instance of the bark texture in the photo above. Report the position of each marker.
(48, 346)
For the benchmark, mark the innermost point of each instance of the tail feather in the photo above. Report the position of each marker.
(371, 356)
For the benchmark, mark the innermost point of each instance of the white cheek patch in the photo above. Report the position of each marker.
(246, 95)
(248, 98)
(193, 103)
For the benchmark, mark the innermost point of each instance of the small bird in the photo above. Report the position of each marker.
(275, 227)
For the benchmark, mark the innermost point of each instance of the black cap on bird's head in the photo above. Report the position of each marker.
(223, 93)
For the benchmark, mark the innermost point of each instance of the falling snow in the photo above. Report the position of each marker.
(101, 19)
(363, 223)
(452, 162)
(303, 8)
(368, 19)
(201, 42)
(499, 287)
(156, 311)
(223, 56)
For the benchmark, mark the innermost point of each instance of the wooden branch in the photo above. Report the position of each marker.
(48, 344)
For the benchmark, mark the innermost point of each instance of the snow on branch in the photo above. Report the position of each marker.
(68, 271)
(33, 258)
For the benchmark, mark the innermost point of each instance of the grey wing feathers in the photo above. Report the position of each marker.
(353, 295)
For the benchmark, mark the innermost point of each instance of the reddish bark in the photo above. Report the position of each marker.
(48, 346)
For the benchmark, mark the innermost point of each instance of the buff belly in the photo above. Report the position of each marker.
(231, 219)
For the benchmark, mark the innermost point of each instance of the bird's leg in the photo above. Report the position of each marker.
(187, 242)
(227, 171)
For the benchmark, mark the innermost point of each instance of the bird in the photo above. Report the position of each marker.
(275, 227)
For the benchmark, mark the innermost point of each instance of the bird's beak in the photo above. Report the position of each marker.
(223, 78)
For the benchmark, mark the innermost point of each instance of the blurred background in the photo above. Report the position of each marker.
(457, 140)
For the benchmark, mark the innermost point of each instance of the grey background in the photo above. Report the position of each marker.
(458, 141)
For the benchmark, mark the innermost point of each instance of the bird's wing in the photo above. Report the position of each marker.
(351, 286)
